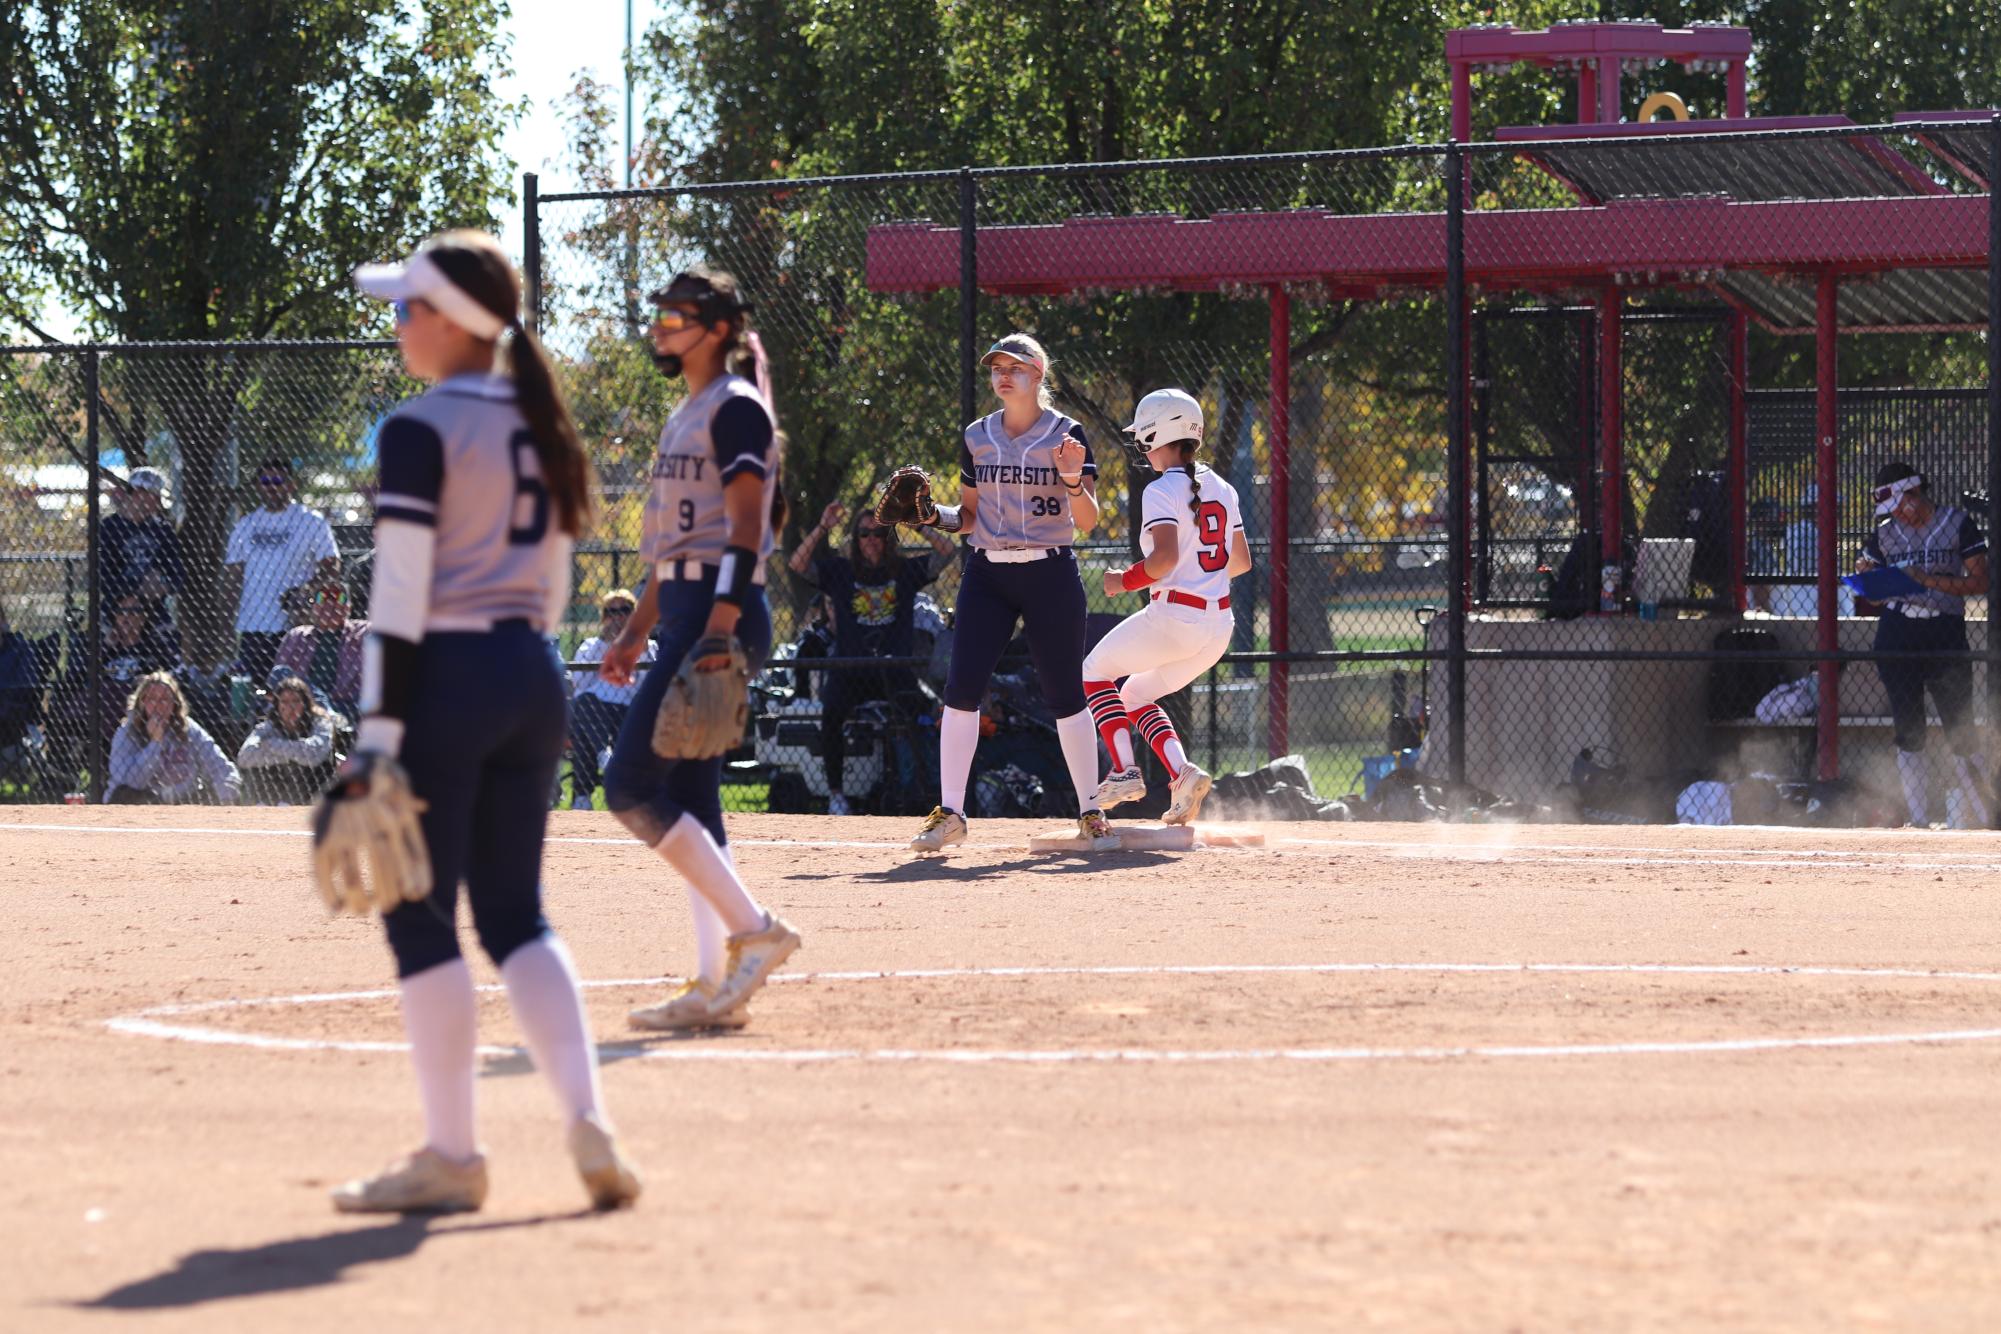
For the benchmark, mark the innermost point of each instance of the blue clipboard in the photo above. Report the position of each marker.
(1883, 584)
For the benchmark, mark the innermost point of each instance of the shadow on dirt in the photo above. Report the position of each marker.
(922, 870)
(294, 1264)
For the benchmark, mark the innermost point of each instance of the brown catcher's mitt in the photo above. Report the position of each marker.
(703, 713)
(907, 500)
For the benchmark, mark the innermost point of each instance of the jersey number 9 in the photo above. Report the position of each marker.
(1212, 533)
(529, 493)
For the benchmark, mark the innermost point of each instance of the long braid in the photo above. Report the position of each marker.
(1194, 482)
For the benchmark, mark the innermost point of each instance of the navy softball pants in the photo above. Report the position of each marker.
(1047, 598)
(648, 793)
(481, 747)
(1949, 679)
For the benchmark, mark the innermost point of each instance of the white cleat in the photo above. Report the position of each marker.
(753, 957)
(692, 1007)
(1119, 787)
(1095, 829)
(426, 1182)
(607, 1176)
(1190, 786)
(942, 828)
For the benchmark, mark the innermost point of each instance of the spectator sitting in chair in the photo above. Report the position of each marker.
(160, 756)
(597, 707)
(326, 650)
(289, 758)
(273, 548)
(20, 686)
(1944, 551)
(873, 588)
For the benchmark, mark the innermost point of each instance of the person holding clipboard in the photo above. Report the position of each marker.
(1922, 562)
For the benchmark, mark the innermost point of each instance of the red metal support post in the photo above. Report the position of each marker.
(1587, 92)
(1462, 101)
(1827, 345)
(1611, 427)
(1738, 471)
(1736, 105)
(1280, 604)
(1608, 90)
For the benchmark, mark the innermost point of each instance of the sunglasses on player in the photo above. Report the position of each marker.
(669, 320)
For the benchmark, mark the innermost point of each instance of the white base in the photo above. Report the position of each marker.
(1155, 838)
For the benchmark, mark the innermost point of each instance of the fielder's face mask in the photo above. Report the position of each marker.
(1891, 494)
(713, 306)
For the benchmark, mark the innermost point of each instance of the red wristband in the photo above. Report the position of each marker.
(1135, 577)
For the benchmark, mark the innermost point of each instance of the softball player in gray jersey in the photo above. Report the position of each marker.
(484, 488)
(1941, 548)
(1027, 485)
(710, 520)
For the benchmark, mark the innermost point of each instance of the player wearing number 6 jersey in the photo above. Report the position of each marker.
(1192, 534)
(484, 488)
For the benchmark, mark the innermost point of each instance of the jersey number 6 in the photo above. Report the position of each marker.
(1212, 533)
(531, 528)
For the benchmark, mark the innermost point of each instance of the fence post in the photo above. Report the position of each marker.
(969, 293)
(531, 248)
(1278, 708)
(94, 568)
(1827, 422)
(1457, 449)
(1993, 403)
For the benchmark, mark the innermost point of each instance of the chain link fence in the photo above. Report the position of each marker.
(1538, 462)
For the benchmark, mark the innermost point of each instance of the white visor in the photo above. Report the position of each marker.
(419, 278)
(1889, 496)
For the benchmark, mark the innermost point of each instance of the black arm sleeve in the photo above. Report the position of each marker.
(399, 677)
(413, 472)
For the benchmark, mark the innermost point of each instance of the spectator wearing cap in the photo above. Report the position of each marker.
(326, 650)
(275, 547)
(597, 707)
(1945, 553)
(873, 588)
(138, 548)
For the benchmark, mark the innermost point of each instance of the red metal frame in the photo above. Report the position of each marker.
(1738, 469)
(1597, 52)
(1827, 420)
(1281, 517)
(1611, 427)
(1648, 242)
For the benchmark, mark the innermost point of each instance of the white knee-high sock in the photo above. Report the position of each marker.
(690, 850)
(1973, 788)
(1079, 736)
(711, 938)
(439, 1016)
(1911, 769)
(549, 1006)
(958, 734)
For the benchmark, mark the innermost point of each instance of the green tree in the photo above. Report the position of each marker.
(176, 170)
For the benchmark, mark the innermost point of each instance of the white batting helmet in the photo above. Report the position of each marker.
(1166, 415)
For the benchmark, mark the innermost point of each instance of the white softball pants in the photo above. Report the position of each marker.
(1159, 650)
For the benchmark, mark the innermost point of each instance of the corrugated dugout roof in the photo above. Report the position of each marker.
(1682, 160)
(1901, 299)
(1967, 146)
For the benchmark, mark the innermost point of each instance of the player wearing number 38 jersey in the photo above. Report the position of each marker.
(1192, 534)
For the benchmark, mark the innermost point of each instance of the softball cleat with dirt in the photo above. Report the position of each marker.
(1185, 794)
(607, 1176)
(753, 957)
(1095, 829)
(1119, 787)
(692, 1007)
(426, 1182)
(942, 828)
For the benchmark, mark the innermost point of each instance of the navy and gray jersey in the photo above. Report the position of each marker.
(713, 437)
(1023, 503)
(459, 460)
(1940, 547)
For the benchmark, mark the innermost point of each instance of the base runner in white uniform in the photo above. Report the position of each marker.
(1192, 537)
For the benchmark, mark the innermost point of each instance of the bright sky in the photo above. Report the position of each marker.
(555, 40)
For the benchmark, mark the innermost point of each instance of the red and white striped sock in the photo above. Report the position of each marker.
(1153, 724)
(1109, 713)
